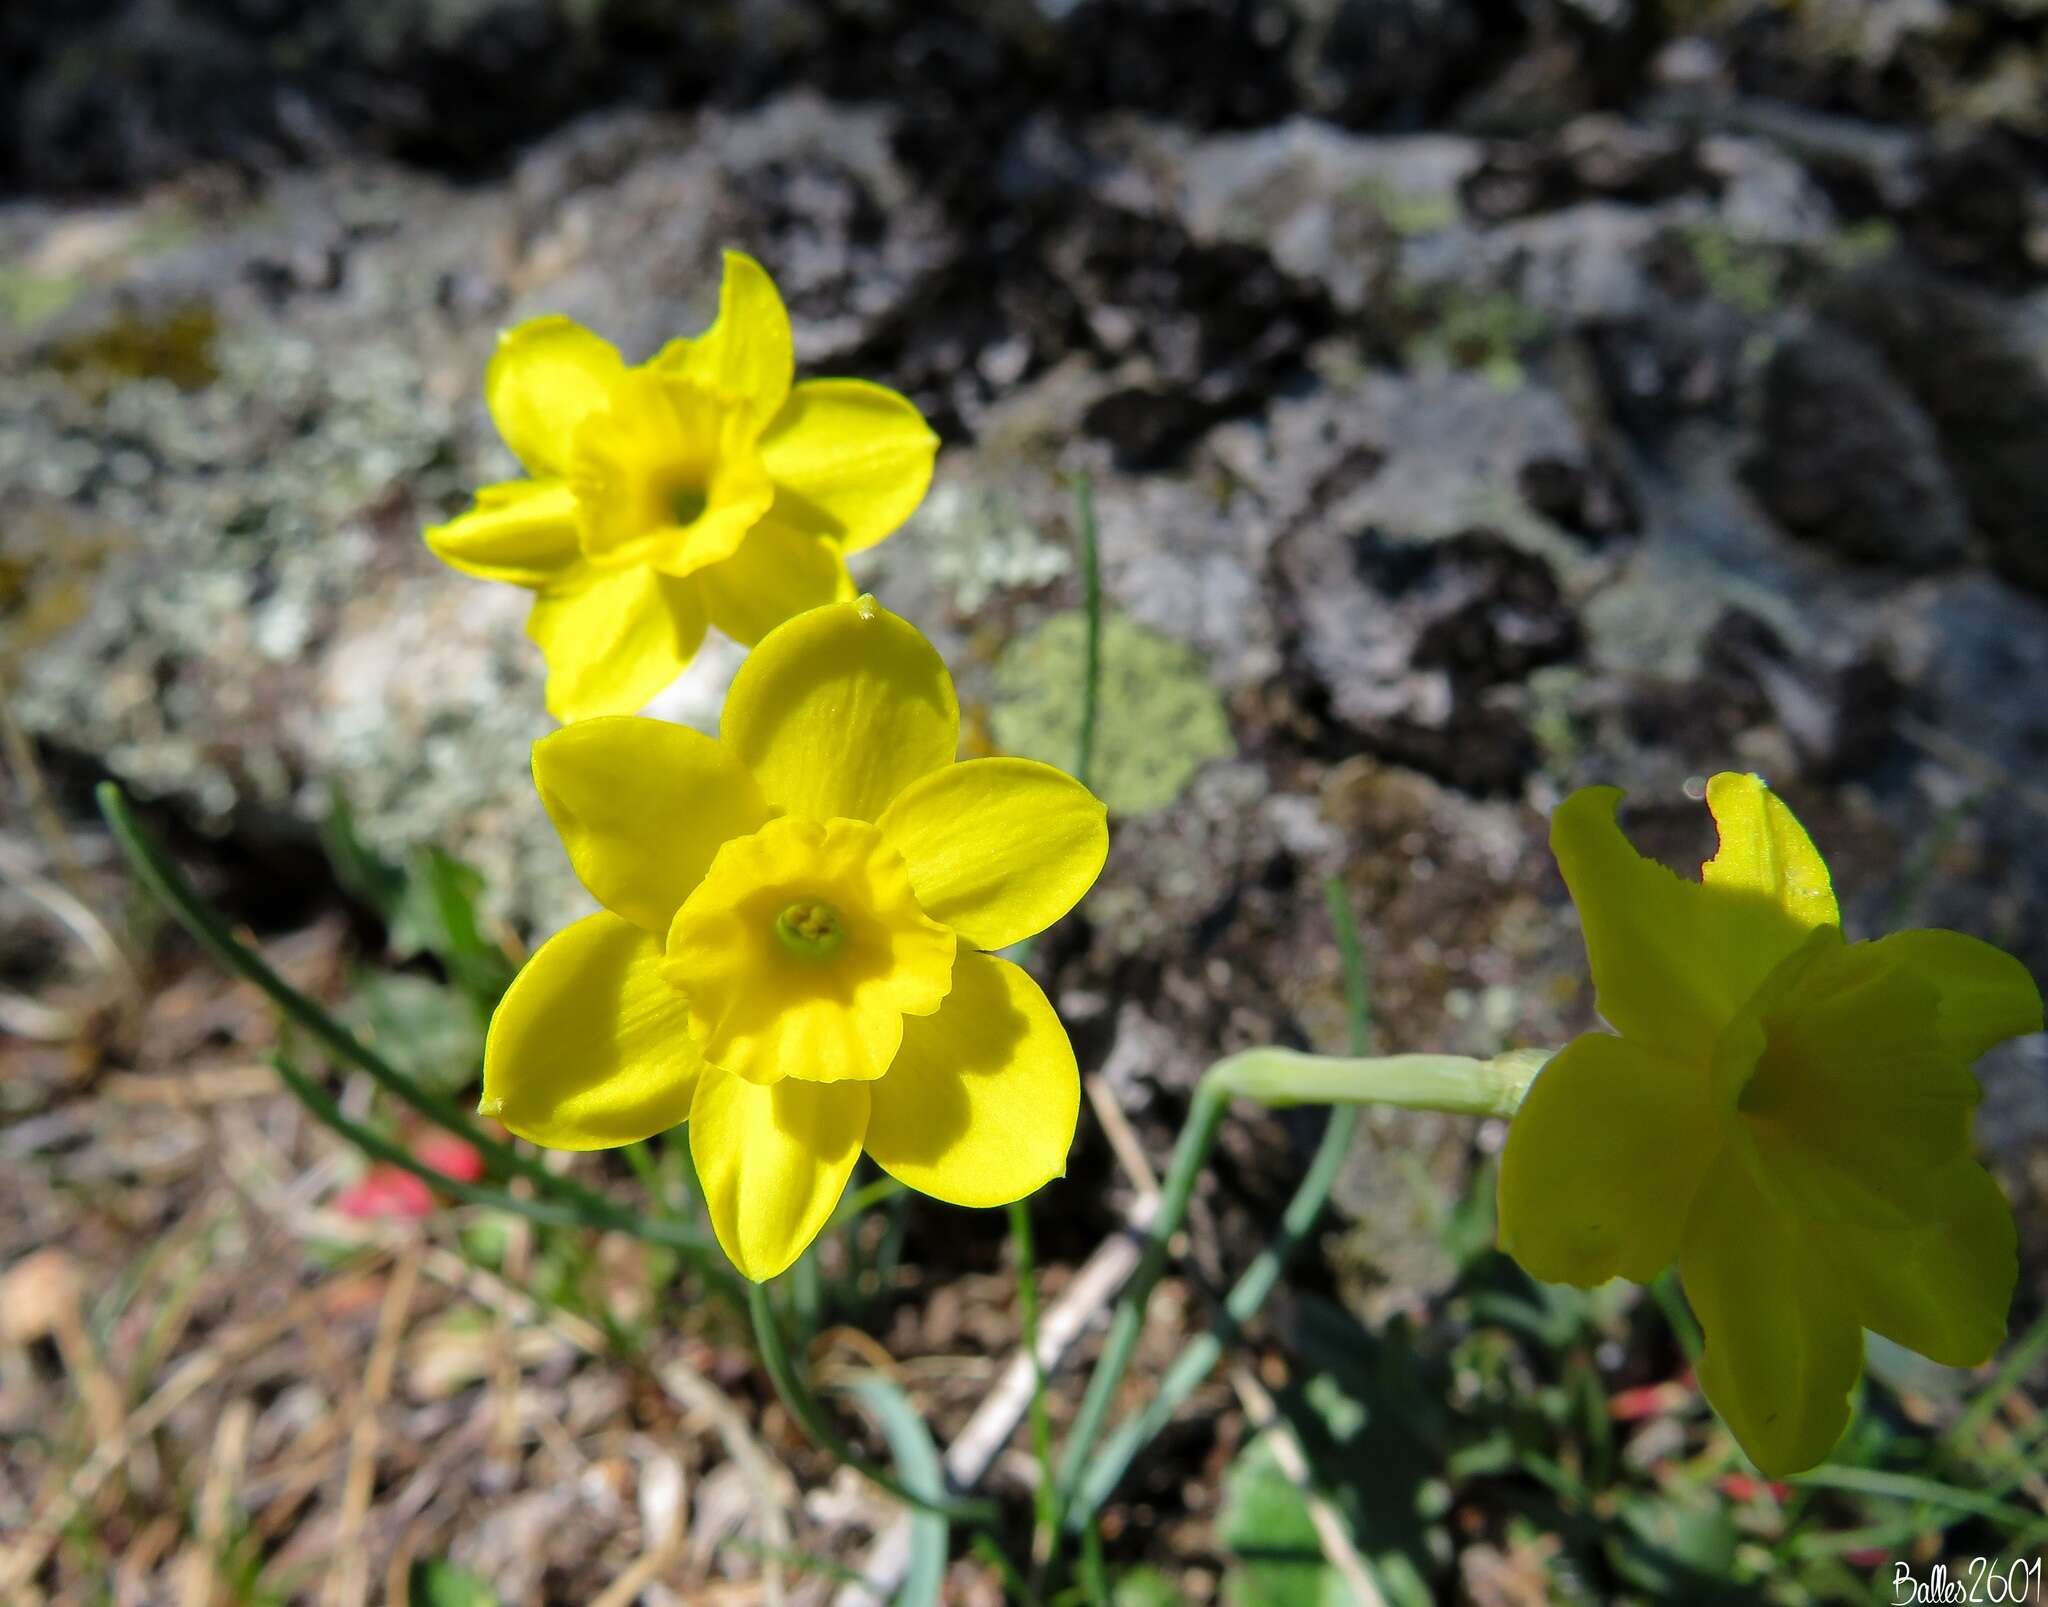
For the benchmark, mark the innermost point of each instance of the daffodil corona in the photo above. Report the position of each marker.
(702, 487)
(1785, 1114)
(790, 953)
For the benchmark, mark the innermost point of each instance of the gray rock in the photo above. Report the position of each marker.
(1440, 494)
(1396, 63)
(241, 458)
(1846, 457)
(1980, 370)
(1330, 206)
(1412, 645)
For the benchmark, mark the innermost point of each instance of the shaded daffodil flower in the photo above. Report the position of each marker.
(1784, 1113)
(790, 957)
(702, 487)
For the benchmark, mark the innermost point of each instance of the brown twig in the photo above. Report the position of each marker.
(201, 1564)
(349, 1584)
(1123, 1140)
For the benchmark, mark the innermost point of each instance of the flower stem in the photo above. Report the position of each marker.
(1105, 1470)
(322, 1106)
(1249, 1293)
(803, 1406)
(1091, 614)
(1046, 1497)
(1454, 1084)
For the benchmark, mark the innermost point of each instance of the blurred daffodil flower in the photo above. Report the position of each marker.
(789, 957)
(701, 487)
(1784, 1113)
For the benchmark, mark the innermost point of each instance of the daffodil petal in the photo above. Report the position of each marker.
(1987, 996)
(1602, 1163)
(980, 1103)
(641, 807)
(1943, 1289)
(777, 573)
(521, 531)
(762, 1011)
(1673, 960)
(748, 352)
(666, 475)
(545, 377)
(1784, 1339)
(839, 710)
(1765, 851)
(773, 1162)
(590, 1048)
(1856, 1104)
(849, 460)
(998, 848)
(614, 639)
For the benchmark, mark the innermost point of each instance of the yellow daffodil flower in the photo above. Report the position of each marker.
(790, 954)
(701, 487)
(1784, 1113)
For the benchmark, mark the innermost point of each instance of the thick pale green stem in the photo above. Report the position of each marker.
(1453, 1084)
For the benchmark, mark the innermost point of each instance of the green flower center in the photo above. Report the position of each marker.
(686, 502)
(811, 930)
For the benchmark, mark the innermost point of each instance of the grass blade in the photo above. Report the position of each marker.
(1091, 613)
(573, 1205)
(803, 1406)
(153, 868)
(917, 1460)
(1046, 1497)
(1094, 1479)
(1910, 1487)
(2019, 1362)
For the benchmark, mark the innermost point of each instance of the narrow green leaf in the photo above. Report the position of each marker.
(580, 1206)
(917, 1462)
(1091, 613)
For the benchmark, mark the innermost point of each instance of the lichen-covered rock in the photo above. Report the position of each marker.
(1435, 471)
(232, 442)
(1159, 719)
(1418, 647)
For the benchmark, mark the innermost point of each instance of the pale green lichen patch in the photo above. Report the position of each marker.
(1159, 719)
